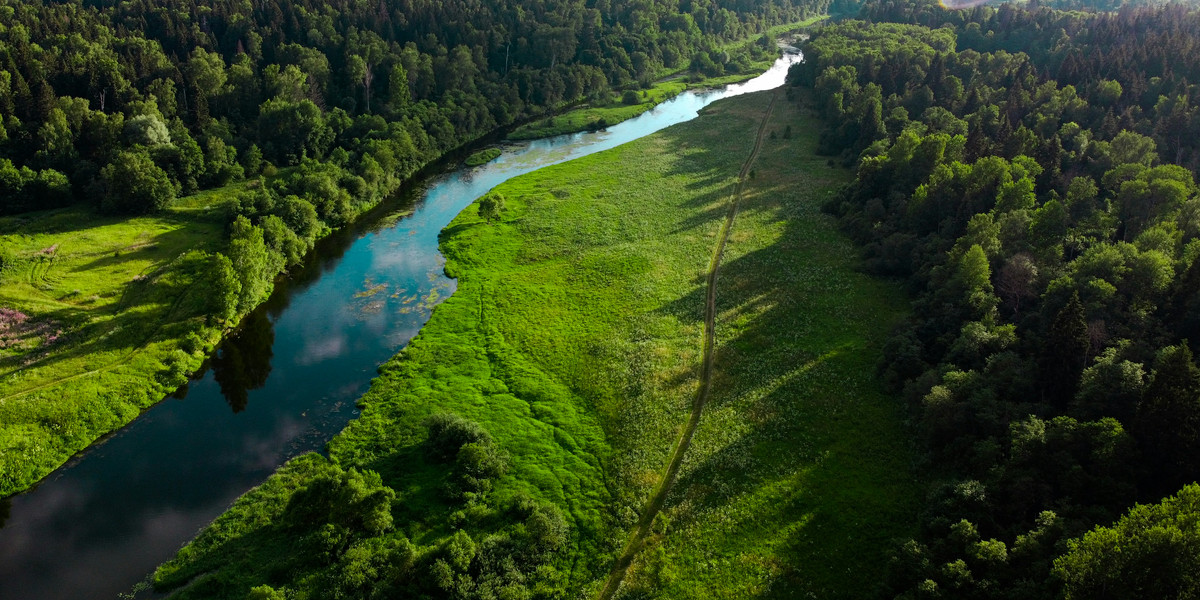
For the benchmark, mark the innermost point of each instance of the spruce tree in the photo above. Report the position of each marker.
(1064, 353)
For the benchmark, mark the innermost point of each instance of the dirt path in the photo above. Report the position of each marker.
(638, 537)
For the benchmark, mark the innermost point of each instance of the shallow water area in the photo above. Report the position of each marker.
(283, 385)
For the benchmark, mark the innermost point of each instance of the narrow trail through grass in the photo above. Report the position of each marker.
(657, 501)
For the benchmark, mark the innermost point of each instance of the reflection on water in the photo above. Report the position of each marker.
(243, 361)
(104, 520)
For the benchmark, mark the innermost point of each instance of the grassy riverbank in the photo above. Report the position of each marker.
(574, 341)
(601, 115)
(101, 319)
(669, 85)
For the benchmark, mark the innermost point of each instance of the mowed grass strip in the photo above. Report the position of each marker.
(798, 479)
(99, 322)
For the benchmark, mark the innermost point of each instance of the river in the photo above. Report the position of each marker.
(283, 385)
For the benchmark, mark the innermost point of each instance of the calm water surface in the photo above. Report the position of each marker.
(284, 385)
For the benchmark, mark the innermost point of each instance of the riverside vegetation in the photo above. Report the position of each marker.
(733, 63)
(290, 119)
(509, 448)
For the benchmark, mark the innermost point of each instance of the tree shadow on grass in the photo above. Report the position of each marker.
(159, 248)
(799, 472)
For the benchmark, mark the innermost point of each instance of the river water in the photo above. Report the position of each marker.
(284, 385)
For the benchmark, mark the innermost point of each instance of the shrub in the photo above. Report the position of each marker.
(135, 185)
(448, 433)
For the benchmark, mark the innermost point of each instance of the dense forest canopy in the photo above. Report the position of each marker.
(211, 92)
(1031, 175)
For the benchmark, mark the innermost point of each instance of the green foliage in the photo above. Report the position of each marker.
(1168, 420)
(1151, 552)
(484, 156)
(292, 79)
(226, 288)
(135, 185)
(254, 264)
(265, 592)
(147, 130)
(292, 131)
(448, 433)
(24, 189)
(1065, 352)
(491, 206)
(357, 501)
(1030, 212)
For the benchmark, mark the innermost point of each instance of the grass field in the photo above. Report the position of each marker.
(98, 320)
(799, 475)
(575, 337)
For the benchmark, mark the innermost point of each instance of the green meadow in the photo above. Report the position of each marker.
(100, 321)
(798, 478)
(574, 339)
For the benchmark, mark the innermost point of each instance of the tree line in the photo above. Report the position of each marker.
(1029, 175)
(96, 94)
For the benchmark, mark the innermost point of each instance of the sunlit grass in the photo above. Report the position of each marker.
(799, 476)
(111, 324)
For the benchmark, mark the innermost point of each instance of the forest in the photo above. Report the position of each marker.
(1029, 175)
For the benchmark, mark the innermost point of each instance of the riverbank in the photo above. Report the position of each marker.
(102, 318)
(633, 102)
(573, 341)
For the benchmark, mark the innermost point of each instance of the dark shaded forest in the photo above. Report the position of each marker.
(1029, 174)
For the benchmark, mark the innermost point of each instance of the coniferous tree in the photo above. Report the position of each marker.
(1064, 353)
